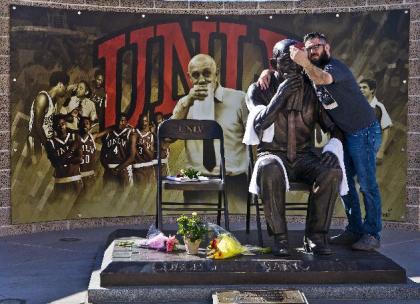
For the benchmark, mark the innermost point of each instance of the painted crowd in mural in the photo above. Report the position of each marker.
(89, 90)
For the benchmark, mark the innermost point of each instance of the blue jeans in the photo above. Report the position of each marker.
(360, 150)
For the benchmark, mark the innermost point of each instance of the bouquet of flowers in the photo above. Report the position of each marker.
(155, 239)
(223, 244)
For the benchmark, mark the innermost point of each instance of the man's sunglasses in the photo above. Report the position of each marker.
(314, 47)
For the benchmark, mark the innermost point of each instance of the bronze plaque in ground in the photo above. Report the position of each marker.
(276, 296)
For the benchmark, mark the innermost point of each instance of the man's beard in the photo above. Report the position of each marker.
(322, 61)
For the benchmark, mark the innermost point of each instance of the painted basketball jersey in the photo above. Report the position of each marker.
(47, 123)
(144, 140)
(88, 153)
(116, 146)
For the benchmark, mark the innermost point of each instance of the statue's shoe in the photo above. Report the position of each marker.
(281, 245)
(317, 244)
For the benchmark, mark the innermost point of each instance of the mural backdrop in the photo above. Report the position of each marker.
(89, 90)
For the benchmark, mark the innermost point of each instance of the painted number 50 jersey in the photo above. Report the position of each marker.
(88, 153)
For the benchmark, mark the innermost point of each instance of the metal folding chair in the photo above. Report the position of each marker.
(191, 129)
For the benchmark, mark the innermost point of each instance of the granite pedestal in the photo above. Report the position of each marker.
(182, 277)
(130, 266)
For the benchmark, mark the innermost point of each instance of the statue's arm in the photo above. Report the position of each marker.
(257, 97)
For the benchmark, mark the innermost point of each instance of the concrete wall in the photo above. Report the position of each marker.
(186, 7)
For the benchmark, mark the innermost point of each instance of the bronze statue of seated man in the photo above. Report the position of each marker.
(282, 119)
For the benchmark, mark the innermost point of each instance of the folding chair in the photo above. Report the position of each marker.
(254, 201)
(191, 129)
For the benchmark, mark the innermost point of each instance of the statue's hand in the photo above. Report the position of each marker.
(290, 86)
(330, 160)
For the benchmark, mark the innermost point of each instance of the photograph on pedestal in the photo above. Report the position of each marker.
(89, 90)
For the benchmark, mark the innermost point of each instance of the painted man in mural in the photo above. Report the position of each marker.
(98, 95)
(87, 167)
(143, 170)
(340, 95)
(368, 88)
(117, 154)
(281, 121)
(64, 150)
(41, 115)
(81, 100)
(207, 99)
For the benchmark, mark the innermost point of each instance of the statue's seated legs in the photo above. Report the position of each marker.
(325, 182)
(272, 185)
(320, 210)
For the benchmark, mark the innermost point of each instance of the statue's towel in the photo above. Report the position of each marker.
(250, 136)
(335, 146)
(253, 186)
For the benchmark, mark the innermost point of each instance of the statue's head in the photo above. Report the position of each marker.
(281, 60)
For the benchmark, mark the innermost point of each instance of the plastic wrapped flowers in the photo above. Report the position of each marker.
(223, 244)
(155, 239)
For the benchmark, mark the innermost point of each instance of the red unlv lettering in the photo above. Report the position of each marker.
(175, 51)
